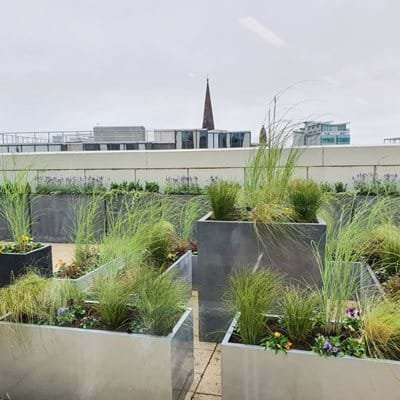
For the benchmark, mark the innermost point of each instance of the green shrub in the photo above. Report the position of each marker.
(252, 294)
(153, 187)
(223, 197)
(298, 308)
(306, 198)
(158, 241)
(113, 298)
(160, 301)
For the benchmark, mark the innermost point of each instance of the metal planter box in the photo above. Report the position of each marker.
(15, 264)
(53, 217)
(226, 246)
(84, 282)
(251, 372)
(182, 269)
(47, 363)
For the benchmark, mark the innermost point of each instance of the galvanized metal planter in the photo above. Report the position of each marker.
(84, 282)
(226, 246)
(14, 264)
(47, 363)
(251, 372)
(182, 270)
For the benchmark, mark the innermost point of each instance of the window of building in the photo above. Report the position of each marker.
(187, 140)
(91, 146)
(328, 140)
(221, 140)
(132, 146)
(28, 149)
(203, 140)
(343, 139)
(237, 139)
(113, 146)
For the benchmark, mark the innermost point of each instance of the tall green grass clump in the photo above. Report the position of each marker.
(253, 295)
(299, 311)
(160, 300)
(381, 328)
(14, 205)
(306, 198)
(346, 241)
(268, 174)
(84, 229)
(223, 197)
(113, 297)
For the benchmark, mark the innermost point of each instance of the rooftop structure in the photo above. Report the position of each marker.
(317, 133)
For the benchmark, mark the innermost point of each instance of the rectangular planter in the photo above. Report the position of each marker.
(53, 217)
(15, 264)
(227, 246)
(182, 270)
(47, 363)
(251, 372)
(84, 282)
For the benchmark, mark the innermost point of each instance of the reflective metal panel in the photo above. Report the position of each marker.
(48, 363)
(251, 372)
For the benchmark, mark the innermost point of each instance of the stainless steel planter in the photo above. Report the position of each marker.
(253, 373)
(86, 281)
(48, 363)
(182, 270)
(226, 246)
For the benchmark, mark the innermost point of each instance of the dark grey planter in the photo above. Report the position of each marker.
(195, 271)
(53, 217)
(13, 265)
(227, 246)
(41, 362)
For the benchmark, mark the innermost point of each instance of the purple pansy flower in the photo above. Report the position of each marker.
(62, 310)
(327, 346)
(335, 350)
(352, 312)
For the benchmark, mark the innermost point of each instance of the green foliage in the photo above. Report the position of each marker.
(159, 241)
(327, 346)
(340, 187)
(14, 204)
(223, 197)
(71, 185)
(278, 342)
(22, 297)
(182, 185)
(383, 250)
(305, 197)
(381, 327)
(87, 212)
(152, 187)
(298, 309)
(113, 298)
(126, 186)
(268, 174)
(252, 294)
(159, 302)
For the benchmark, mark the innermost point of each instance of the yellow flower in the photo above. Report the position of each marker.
(25, 238)
(288, 345)
(277, 334)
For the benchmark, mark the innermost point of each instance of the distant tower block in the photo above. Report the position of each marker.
(208, 118)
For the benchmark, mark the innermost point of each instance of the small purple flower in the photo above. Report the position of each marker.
(335, 351)
(62, 310)
(352, 312)
(327, 346)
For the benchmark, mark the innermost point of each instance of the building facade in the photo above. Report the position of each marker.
(315, 133)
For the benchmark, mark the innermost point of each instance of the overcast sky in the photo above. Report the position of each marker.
(69, 65)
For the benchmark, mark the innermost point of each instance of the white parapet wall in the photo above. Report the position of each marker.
(330, 164)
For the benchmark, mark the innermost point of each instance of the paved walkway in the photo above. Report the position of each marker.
(207, 356)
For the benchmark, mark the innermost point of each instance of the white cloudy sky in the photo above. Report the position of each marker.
(73, 64)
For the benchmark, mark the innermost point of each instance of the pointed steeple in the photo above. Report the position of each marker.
(208, 118)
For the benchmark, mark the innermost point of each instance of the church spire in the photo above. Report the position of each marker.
(208, 118)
